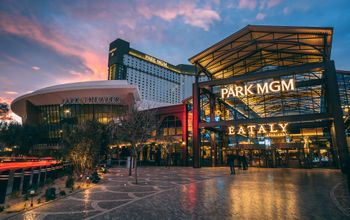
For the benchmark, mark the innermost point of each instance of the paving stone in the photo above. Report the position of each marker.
(206, 193)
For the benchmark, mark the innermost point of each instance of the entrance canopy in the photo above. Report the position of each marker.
(259, 48)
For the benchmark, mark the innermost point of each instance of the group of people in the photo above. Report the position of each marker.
(241, 160)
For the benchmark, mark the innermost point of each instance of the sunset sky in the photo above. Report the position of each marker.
(43, 43)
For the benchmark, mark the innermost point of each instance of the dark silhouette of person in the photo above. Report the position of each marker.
(231, 162)
(158, 156)
(245, 162)
(168, 160)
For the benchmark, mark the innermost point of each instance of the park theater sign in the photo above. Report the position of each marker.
(258, 88)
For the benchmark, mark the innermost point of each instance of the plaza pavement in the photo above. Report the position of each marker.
(206, 193)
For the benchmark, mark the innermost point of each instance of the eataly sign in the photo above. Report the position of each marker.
(259, 129)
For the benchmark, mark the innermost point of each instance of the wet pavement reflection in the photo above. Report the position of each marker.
(206, 193)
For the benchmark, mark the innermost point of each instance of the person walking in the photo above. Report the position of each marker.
(245, 162)
(231, 162)
(168, 159)
(158, 156)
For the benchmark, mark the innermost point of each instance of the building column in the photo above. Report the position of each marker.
(185, 132)
(213, 145)
(10, 182)
(26, 180)
(196, 134)
(4, 176)
(19, 177)
(334, 107)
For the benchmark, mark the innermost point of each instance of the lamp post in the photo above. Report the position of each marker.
(31, 193)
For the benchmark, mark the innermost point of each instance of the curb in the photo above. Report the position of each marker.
(51, 201)
(336, 202)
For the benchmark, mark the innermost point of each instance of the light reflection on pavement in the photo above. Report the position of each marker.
(206, 193)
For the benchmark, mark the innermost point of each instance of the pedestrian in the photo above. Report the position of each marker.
(245, 162)
(239, 159)
(168, 159)
(158, 156)
(231, 162)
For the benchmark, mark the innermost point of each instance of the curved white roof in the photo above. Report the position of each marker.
(54, 95)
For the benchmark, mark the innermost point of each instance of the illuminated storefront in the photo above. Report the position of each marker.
(273, 95)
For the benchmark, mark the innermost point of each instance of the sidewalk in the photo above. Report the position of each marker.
(341, 198)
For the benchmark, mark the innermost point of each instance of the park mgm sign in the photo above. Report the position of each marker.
(278, 129)
(258, 88)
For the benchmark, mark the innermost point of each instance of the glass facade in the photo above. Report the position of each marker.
(273, 98)
(53, 117)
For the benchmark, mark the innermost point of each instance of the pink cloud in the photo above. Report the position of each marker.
(21, 26)
(260, 16)
(35, 68)
(248, 4)
(273, 3)
(11, 92)
(187, 10)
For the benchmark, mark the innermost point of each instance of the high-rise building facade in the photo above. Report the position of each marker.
(157, 80)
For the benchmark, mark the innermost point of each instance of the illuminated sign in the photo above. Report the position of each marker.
(258, 88)
(272, 130)
(153, 60)
(112, 51)
(91, 100)
(156, 61)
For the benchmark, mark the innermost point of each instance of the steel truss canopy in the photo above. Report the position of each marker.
(258, 48)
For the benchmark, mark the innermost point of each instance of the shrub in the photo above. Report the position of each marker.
(2, 208)
(50, 194)
(103, 170)
(94, 177)
(62, 193)
(70, 182)
(49, 181)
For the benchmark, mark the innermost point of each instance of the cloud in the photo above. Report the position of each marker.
(269, 3)
(24, 27)
(188, 11)
(273, 3)
(35, 68)
(247, 4)
(11, 92)
(260, 16)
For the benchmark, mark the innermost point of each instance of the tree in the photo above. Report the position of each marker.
(85, 145)
(135, 128)
(21, 138)
(4, 111)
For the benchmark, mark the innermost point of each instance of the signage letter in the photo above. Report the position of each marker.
(247, 89)
(289, 86)
(223, 92)
(275, 86)
(241, 130)
(283, 126)
(231, 130)
(272, 130)
(261, 129)
(262, 89)
(239, 91)
(250, 129)
(230, 92)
